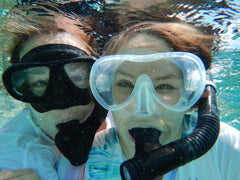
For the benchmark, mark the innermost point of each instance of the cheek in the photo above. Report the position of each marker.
(174, 120)
(174, 124)
(48, 125)
(122, 122)
(119, 119)
(47, 121)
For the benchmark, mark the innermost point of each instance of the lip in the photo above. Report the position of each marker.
(152, 122)
(145, 139)
(66, 119)
(80, 113)
(133, 139)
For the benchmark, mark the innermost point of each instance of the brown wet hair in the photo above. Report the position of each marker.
(23, 23)
(180, 36)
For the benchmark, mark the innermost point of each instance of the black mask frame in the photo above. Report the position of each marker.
(64, 93)
(53, 65)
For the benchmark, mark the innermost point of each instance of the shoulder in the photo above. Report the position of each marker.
(227, 144)
(106, 146)
(20, 134)
(229, 135)
(220, 162)
(105, 138)
(19, 123)
(105, 156)
(24, 151)
(23, 125)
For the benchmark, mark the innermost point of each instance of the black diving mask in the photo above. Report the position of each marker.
(53, 76)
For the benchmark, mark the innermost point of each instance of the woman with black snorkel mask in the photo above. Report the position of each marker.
(157, 76)
(51, 57)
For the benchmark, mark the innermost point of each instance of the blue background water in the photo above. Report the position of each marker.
(225, 17)
(226, 75)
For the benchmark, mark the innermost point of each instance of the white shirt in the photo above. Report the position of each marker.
(219, 163)
(24, 145)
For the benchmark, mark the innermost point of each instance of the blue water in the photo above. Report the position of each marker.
(226, 63)
(226, 75)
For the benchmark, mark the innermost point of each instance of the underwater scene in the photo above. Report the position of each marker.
(223, 15)
(118, 89)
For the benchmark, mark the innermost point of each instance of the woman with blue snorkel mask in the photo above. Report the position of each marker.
(51, 57)
(157, 75)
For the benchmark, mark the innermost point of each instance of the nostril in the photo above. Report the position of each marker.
(143, 114)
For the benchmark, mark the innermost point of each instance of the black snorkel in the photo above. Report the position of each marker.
(75, 139)
(155, 163)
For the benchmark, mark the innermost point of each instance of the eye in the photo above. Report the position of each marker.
(125, 84)
(39, 84)
(39, 87)
(165, 89)
(78, 78)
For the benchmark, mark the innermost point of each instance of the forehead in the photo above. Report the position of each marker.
(159, 68)
(59, 38)
(143, 43)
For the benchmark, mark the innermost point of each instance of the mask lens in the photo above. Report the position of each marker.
(176, 80)
(123, 84)
(166, 81)
(78, 73)
(31, 82)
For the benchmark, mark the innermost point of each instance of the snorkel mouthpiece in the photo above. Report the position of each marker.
(153, 164)
(146, 140)
(74, 139)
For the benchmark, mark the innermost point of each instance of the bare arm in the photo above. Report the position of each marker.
(19, 174)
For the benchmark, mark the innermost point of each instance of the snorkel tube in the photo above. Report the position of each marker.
(155, 163)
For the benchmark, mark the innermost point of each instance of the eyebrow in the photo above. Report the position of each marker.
(168, 76)
(125, 74)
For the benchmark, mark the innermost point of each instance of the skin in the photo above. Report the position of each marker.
(47, 121)
(20, 174)
(168, 122)
(167, 80)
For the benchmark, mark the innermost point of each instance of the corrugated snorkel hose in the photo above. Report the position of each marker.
(173, 155)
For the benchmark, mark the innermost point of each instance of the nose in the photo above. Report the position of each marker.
(145, 103)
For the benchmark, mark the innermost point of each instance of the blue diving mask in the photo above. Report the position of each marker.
(175, 80)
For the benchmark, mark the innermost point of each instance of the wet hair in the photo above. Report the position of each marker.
(159, 12)
(180, 37)
(24, 22)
